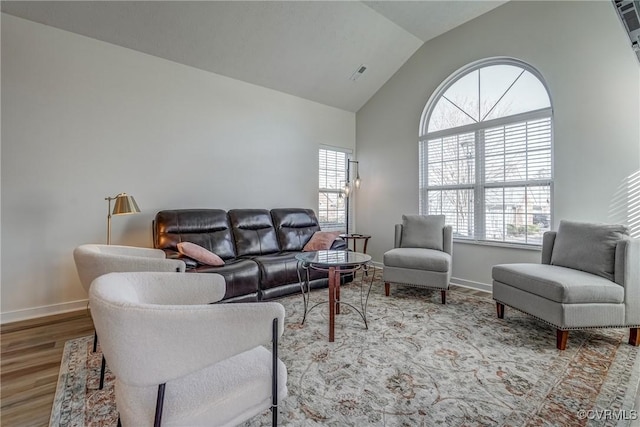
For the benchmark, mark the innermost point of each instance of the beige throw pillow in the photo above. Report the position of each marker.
(200, 254)
(321, 240)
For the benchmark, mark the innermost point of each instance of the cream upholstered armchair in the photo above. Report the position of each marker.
(93, 261)
(589, 278)
(421, 256)
(181, 362)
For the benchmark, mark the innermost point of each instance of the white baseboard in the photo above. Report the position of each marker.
(471, 284)
(46, 310)
(457, 281)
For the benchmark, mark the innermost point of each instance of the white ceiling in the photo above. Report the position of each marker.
(304, 48)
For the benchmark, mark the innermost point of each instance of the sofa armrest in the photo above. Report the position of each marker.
(339, 245)
(397, 241)
(171, 254)
(189, 262)
(447, 239)
(548, 239)
(627, 275)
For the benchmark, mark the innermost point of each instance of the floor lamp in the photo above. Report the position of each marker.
(347, 186)
(124, 204)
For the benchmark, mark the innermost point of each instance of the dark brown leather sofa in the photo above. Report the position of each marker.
(258, 247)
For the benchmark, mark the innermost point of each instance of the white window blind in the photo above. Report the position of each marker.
(332, 169)
(489, 173)
(517, 191)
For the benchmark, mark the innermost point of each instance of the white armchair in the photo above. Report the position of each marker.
(181, 362)
(93, 261)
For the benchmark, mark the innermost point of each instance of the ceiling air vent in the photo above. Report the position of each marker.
(357, 73)
(629, 13)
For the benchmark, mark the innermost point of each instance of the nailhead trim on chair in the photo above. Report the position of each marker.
(419, 286)
(568, 329)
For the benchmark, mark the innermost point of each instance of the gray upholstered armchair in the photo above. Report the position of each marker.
(422, 254)
(589, 278)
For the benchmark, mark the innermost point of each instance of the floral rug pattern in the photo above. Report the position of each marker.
(420, 363)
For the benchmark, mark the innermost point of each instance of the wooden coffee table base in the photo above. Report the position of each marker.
(334, 300)
(335, 263)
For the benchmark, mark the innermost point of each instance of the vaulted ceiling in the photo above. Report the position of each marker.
(310, 49)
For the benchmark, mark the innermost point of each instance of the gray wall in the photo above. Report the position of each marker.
(583, 54)
(83, 119)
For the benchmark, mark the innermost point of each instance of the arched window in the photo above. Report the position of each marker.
(486, 153)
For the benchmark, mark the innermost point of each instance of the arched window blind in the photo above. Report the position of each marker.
(486, 139)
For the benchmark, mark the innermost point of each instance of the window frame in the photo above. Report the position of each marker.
(479, 185)
(333, 226)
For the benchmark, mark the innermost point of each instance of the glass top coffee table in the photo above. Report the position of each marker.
(335, 263)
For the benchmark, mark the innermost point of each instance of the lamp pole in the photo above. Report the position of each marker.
(346, 201)
(109, 199)
(348, 188)
(125, 204)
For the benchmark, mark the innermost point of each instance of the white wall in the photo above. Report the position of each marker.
(585, 57)
(83, 119)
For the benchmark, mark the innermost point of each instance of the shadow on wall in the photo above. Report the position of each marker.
(625, 204)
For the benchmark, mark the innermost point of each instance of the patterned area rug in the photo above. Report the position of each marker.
(420, 363)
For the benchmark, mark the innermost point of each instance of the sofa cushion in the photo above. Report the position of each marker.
(588, 247)
(294, 227)
(241, 276)
(253, 232)
(559, 284)
(418, 259)
(422, 231)
(209, 228)
(199, 253)
(280, 269)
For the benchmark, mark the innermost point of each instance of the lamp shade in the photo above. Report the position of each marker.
(125, 204)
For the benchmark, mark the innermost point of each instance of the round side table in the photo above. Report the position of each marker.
(355, 237)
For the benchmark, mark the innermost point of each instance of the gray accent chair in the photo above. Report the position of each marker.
(589, 277)
(422, 254)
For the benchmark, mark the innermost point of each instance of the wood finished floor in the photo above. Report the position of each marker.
(30, 362)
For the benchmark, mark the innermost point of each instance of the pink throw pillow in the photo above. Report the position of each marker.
(200, 254)
(321, 240)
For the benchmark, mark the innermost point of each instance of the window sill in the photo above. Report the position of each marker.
(507, 245)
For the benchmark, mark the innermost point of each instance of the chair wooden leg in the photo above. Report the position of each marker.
(561, 339)
(387, 288)
(95, 341)
(634, 337)
(443, 295)
(500, 310)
